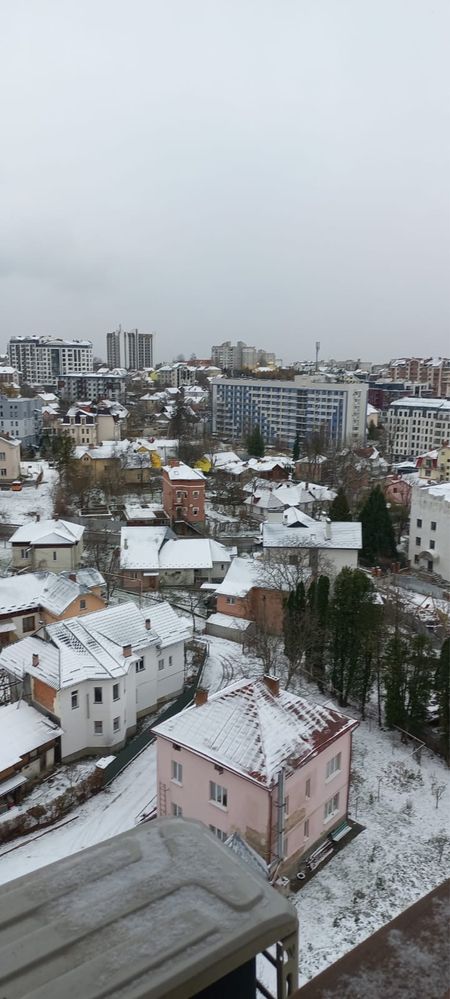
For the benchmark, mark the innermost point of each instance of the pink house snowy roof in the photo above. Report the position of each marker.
(251, 730)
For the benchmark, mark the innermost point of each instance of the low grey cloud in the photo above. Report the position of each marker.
(269, 170)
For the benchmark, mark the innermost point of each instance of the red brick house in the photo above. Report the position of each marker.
(183, 493)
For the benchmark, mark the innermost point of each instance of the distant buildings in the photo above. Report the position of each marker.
(113, 339)
(21, 419)
(93, 385)
(138, 350)
(237, 357)
(417, 425)
(433, 371)
(285, 409)
(183, 493)
(47, 544)
(92, 424)
(429, 533)
(42, 360)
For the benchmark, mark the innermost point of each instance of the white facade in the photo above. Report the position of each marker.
(138, 350)
(417, 425)
(42, 360)
(429, 532)
(283, 409)
(21, 418)
(93, 385)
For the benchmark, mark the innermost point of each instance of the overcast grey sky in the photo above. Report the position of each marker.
(276, 172)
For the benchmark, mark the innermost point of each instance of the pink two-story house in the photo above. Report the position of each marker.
(259, 761)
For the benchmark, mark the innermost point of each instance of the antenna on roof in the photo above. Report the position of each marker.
(317, 354)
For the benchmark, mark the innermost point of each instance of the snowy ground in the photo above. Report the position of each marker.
(52, 787)
(108, 813)
(385, 869)
(17, 508)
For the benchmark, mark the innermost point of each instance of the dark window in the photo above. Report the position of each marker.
(98, 695)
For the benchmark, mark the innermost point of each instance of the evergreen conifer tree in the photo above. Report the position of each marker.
(255, 443)
(296, 448)
(377, 530)
(442, 684)
(339, 509)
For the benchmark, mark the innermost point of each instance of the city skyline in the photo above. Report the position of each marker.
(273, 173)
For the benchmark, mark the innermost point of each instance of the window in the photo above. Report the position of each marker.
(116, 724)
(170, 660)
(177, 772)
(286, 805)
(432, 543)
(3, 471)
(55, 556)
(417, 541)
(116, 692)
(306, 829)
(140, 665)
(160, 663)
(3, 457)
(98, 728)
(308, 788)
(195, 510)
(177, 810)
(433, 525)
(195, 494)
(419, 522)
(333, 766)
(24, 553)
(82, 604)
(28, 623)
(98, 695)
(74, 699)
(331, 807)
(416, 560)
(230, 600)
(219, 833)
(218, 794)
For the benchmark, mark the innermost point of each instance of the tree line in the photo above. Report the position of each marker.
(350, 641)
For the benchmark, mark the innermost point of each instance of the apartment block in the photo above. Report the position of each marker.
(417, 425)
(113, 348)
(433, 371)
(138, 350)
(21, 419)
(237, 357)
(43, 360)
(284, 409)
(93, 385)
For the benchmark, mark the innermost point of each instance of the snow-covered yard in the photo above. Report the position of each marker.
(386, 868)
(18, 508)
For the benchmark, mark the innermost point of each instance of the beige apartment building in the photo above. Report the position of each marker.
(9, 459)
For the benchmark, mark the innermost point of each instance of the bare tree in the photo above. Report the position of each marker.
(437, 790)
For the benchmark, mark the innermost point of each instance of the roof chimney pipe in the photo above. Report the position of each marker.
(35, 659)
(201, 697)
(148, 623)
(272, 683)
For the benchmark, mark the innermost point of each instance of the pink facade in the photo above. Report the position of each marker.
(397, 490)
(251, 808)
(183, 497)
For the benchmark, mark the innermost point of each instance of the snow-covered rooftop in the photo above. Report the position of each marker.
(22, 729)
(140, 546)
(40, 589)
(182, 472)
(441, 491)
(252, 731)
(91, 647)
(242, 576)
(44, 532)
(342, 534)
(415, 402)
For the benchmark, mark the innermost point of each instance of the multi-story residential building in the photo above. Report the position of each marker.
(434, 466)
(9, 375)
(429, 531)
(47, 544)
(33, 599)
(236, 357)
(285, 409)
(138, 350)
(176, 375)
(42, 360)
(433, 371)
(97, 676)
(90, 424)
(113, 339)
(382, 392)
(21, 419)
(183, 493)
(9, 459)
(417, 425)
(93, 385)
(259, 761)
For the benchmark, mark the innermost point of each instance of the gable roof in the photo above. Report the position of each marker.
(38, 589)
(91, 647)
(23, 729)
(253, 732)
(42, 532)
(182, 472)
(343, 535)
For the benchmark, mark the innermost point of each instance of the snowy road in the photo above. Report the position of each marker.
(108, 813)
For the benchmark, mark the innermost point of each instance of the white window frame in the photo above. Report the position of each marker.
(177, 810)
(160, 664)
(116, 724)
(306, 829)
(140, 665)
(331, 807)
(218, 795)
(96, 699)
(98, 728)
(308, 787)
(219, 833)
(333, 767)
(116, 686)
(177, 772)
(74, 700)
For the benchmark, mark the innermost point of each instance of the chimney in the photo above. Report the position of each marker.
(72, 576)
(272, 683)
(174, 463)
(201, 697)
(35, 659)
(147, 623)
(126, 651)
(328, 529)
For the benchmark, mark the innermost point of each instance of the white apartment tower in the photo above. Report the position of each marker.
(42, 360)
(138, 350)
